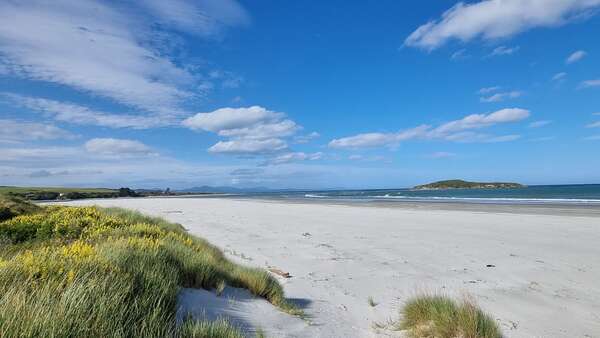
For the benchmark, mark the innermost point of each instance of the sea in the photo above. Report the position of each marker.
(537, 194)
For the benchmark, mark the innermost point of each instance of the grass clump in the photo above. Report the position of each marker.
(204, 329)
(94, 272)
(438, 316)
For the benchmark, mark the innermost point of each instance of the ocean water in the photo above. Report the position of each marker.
(559, 194)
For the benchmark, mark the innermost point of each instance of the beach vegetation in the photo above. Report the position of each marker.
(95, 272)
(443, 317)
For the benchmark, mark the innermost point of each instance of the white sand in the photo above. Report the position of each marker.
(545, 281)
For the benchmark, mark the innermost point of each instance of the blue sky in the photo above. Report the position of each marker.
(287, 94)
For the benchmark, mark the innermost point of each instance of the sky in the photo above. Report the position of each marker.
(298, 94)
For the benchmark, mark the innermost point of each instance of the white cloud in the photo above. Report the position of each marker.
(589, 83)
(559, 76)
(12, 130)
(306, 138)
(250, 130)
(459, 54)
(494, 19)
(538, 124)
(77, 114)
(244, 146)
(92, 47)
(377, 139)
(253, 122)
(206, 17)
(23, 155)
(592, 138)
(593, 125)
(355, 157)
(576, 56)
(117, 147)
(487, 90)
(503, 50)
(295, 157)
(499, 97)
(111, 49)
(477, 121)
(457, 131)
(596, 114)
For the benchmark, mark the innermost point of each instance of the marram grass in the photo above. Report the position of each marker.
(91, 272)
(442, 317)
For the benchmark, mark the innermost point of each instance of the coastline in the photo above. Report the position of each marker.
(535, 271)
(541, 208)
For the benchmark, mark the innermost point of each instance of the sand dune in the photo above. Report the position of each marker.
(536, 273)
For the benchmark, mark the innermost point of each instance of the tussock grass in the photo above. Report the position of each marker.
(94, 272)
(439, 316)
(203, 329)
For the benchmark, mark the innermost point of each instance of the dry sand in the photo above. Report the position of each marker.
(537, 272)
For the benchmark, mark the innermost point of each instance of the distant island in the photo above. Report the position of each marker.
(460, 184)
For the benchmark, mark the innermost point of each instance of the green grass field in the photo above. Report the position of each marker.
(20, 190)
(51, 193)
(92, 272)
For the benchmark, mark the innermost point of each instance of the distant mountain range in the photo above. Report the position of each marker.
(223, 189)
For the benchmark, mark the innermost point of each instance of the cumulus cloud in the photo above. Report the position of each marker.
(13, 130)
(82, 115)
(457, 131)
(117, 147)
(248, 146)
(251, 130)
(576, 56)
(538, 124)
(499, 97)
(494, 19)
(253, 122)
(593, 125)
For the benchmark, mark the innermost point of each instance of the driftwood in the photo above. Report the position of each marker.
(280, 272)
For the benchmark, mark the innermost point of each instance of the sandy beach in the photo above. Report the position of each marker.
(535, 270)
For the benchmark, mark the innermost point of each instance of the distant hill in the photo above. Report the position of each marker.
(460, 184)
(223, 189)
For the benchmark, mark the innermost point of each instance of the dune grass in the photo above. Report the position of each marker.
(86, 271)
(439, 316)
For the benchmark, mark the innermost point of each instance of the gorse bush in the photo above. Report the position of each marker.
(438, 316)
(85, 271)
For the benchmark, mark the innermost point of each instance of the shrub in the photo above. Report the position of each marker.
(110, 272)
